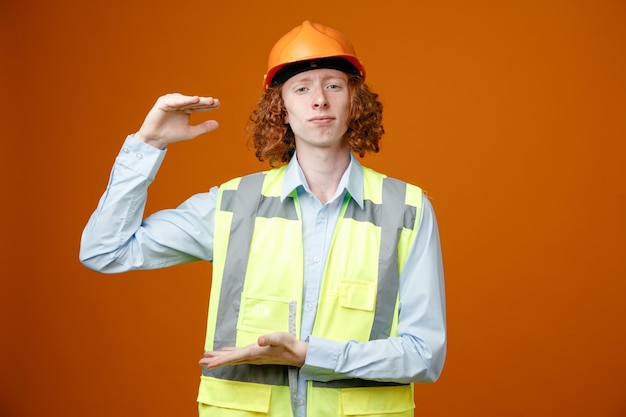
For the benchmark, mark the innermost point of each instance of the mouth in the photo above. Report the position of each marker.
(321, 119)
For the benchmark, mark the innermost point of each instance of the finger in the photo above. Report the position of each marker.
(216, 353)
(209, 363)
(222, 351)
(197, 107)
(179, 102)
(176, 100)
(202, 128)
(276, 339)
(211, 359)
(222, 358)
(209, 102)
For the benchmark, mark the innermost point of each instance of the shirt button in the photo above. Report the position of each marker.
(316, 259)
(139, 156)
(309, 306)
(125, 150)
(322, 216)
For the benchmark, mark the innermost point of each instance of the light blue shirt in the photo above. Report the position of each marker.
(118, 238)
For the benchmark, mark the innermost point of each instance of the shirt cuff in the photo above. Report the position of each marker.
(321, 359)
(140, 157)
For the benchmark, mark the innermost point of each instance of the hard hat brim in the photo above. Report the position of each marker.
(279, 75)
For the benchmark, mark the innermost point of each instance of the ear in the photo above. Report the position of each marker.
(285, 117)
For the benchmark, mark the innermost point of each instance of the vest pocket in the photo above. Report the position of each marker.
(260, 315)
(377, 401)
(225, 398)
(360, 295)
(218, 397)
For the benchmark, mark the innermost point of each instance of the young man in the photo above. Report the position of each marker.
(327, 296)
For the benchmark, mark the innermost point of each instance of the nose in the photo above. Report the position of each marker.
(319, 100)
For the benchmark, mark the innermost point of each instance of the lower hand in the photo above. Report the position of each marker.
(279, 348)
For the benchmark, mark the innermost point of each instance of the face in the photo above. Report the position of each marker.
(318, 106)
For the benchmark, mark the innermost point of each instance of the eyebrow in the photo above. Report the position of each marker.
(308, 78)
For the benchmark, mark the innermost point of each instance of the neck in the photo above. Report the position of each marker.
(323, 171)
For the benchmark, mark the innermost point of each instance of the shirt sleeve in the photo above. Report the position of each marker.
(417, 354)
(117, 237)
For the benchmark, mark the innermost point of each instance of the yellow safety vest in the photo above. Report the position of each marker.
(257, 289)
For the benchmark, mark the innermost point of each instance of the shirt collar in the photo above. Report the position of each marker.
(352, 179)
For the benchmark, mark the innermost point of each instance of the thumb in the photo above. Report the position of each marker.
(264, 340)
(204, 127)
(275, 339)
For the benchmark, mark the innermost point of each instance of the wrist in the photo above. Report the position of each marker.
(156, 143)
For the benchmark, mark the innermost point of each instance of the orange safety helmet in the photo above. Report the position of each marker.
(311, 46)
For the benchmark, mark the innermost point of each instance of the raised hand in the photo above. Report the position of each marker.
(168, 120)
(277, 348)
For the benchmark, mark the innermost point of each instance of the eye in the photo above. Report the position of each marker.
(334, 86)
(301, 89)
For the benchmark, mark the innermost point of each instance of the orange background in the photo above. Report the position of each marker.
(510, 113)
